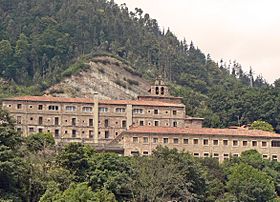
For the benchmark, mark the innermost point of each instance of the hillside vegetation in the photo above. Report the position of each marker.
(41, 40)
(32, 169)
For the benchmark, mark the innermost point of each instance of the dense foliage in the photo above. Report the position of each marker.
(43, 41)
(32, 169)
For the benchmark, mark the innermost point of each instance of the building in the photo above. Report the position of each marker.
(201, 142)
(97, 121)
(138, 126)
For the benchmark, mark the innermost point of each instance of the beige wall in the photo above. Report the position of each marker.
(30, 113)
(223, 151)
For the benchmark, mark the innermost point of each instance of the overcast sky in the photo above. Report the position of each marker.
(247, 31)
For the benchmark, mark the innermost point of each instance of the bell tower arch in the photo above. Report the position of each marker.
(159, 88)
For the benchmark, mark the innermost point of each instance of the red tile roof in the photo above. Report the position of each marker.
(89, 100)
(203, 131)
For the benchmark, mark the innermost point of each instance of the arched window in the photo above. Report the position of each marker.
(162, 90)
(157, 90)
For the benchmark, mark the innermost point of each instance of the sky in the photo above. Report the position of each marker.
(247, 31)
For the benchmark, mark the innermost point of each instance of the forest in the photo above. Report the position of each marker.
(33, 168)
(43, 41)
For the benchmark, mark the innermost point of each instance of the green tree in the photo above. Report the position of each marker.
(13, 169)
(250, 184)
(76, 158)
(112, 172)
(39, 141)
(262, 125)
(168, 175)
(76, 192)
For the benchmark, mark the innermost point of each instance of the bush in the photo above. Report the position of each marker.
(120, 83)
(133, 82)
(74, 68)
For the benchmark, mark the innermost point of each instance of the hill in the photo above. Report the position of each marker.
(102, 76)
(42, 43)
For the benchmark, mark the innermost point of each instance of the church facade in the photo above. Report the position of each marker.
(138, 126)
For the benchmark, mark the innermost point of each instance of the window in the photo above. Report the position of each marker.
(205, 142)
(19, 106)
(155, 140)
(135, 139)
(31, 130)
(274, 157)
(18, 119)
(174, 124)
(103, 109)
(275, 143)
(162, 90)
(87, 109)
(245, 143)
(156, 111)
(73, 121)
(56, 133)
(40, 107)
(174, 112)
(124, 124)
(145, 140)
(157, 90)
(120, 110)
(91, 134)
(134, 153)
(254, 143)
(235, 155)
(195, 141)
(90, 122)
(107, 135)
(53, 107)
(40, 120)
(196, 154)
(235, 143)
(216, 142)
(56, 121)
(74, 133)
(138, 111)
(40, 130)
(145, 153)
(226, 156)
(265, 156)
(70, 108)
(106, 123)
(216, 155)
(141, 123)
(165, 140)
(31, 118)
(206, 154)
(30, 106)
(156, 123)
(176, 141)
(225, 142)
(186, 141)
(264, 144)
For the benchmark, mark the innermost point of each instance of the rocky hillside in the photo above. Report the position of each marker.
(105, 77)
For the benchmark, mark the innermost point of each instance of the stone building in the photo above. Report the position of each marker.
(138, 126)
(201, 142)
(97, 121)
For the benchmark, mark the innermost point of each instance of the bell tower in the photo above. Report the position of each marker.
(159, 88)
(159, 91)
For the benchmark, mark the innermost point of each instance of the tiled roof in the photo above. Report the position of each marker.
(203, 131)
(89, 100)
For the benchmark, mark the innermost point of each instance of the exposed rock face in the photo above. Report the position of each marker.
(106, 78)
